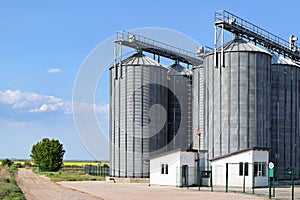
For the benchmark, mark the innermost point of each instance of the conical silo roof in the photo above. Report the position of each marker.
(283, 61)
(139, 59)
(177, 69)
(239, 44)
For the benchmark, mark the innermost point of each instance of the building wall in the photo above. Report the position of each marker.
(234, 179)
(175, 161)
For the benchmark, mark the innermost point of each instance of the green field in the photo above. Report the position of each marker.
(69, 176)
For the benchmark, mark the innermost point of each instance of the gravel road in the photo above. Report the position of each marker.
(39, 187)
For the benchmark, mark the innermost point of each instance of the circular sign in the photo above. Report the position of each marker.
(271, 165)
(198, 132)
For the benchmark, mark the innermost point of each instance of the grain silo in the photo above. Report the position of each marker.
(198, 105)
(238, 98)
(138, 107)
(179, 107)
(285, 131)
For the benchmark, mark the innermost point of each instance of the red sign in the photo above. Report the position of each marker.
(198, 132)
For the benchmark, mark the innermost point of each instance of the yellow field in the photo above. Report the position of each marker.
(80, 163)
(20, 162)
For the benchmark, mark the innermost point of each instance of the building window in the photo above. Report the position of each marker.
(243, 169)
(260, 168)
(164, 169)
(246, 168)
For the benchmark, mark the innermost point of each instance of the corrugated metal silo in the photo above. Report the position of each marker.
(179, 107)
(198, 106)
(138, 106)
(285, 132)
(238, 98)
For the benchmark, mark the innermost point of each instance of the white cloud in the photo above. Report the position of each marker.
(38, 103)
(102, 108)
(33, 102)
(54, 70)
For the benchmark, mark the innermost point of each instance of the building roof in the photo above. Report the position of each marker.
(171, 152)
(240, 151)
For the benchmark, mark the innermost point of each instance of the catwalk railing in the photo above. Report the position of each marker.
(245, 29)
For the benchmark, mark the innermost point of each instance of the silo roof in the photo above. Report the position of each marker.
(283, 61)
(140, 60)
(177, 69)
(239, 44)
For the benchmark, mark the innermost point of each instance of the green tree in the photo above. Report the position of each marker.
(48, 154)
(7, 162)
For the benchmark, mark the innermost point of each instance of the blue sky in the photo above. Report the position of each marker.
(43, 44)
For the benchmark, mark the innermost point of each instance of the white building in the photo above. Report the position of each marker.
(248, 165)
(175, 168)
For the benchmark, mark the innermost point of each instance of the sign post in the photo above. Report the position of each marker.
(271, 177)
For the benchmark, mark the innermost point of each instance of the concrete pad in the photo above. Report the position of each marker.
(132, 191)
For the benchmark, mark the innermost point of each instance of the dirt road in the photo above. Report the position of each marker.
(39, 187)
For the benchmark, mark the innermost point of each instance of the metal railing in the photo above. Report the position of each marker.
(96, 170)
(237, 25)
(153, 46)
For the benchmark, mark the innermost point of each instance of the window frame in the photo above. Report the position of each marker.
(164, 168)
(260, 169)
(243, 169)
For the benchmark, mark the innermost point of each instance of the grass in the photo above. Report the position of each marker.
(69, 176)
(9, 189)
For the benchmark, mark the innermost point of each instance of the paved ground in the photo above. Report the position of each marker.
(38, 187)
(134, 191)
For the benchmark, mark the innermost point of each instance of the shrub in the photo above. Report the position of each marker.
(48, 155)
(27, 163)
(7, 162)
